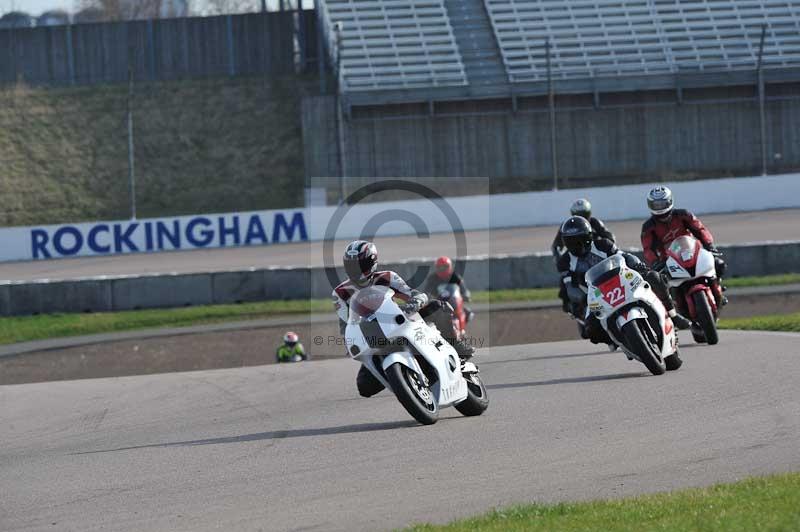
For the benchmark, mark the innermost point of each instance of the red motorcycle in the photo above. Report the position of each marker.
(693, 275)
(451, 293)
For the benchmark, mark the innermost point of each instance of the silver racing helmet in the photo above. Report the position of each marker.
(581, 207)
(660, 202)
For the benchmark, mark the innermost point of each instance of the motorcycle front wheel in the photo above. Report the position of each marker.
(477, 400)
(705, 317)
(413, 394)
(638, 343)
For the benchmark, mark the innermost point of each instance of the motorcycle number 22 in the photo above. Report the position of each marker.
(613, 292)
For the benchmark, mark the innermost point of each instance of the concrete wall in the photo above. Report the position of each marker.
(153, 291)
(252, 44)
(402, 217)
(636, 136)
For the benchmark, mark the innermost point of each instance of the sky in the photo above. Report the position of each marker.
(37, 7)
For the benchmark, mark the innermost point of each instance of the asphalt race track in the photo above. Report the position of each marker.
(727, 228)
(293, 447)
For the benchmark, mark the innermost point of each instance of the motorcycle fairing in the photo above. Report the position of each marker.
(381, 328)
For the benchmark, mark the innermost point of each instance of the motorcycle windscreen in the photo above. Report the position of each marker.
(375, 313)
(605, 270)
(684, 250)
(366, 303)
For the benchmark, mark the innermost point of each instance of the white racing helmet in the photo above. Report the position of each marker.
(290, 338)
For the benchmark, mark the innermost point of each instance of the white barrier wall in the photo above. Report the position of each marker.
(628, 202)
(385, 219)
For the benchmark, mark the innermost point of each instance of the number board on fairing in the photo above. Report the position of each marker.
(613, 291)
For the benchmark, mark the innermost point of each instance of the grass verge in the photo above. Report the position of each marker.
(763, 503)
(777, 322)
(27, 328)
(765, 280)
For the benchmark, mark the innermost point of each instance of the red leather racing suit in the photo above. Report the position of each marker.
(657, 236)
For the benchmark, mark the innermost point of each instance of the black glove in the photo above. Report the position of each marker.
(660, 266)
(713, 249)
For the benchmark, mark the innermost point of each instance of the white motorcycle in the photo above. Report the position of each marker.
(632, 314)
(692, 272)
(411, 358)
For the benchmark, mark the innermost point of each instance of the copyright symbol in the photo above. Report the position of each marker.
(318, 340)
(373, 224)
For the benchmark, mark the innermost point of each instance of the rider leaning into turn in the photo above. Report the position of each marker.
(583, 252)
(666, 224)
(581, 207)
(361, 266)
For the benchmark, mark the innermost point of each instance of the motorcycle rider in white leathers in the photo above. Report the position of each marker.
(361, 265)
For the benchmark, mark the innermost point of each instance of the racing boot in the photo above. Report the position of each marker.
(718, 289)
(462, 347)
(680, 322)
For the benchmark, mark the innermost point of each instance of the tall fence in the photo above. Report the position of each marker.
(620, 138)
(267, 44)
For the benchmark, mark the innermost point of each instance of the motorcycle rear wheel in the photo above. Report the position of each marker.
(416, 398)
(477, 400)
(705, 317)
(639, 344)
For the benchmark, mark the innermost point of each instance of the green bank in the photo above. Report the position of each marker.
(764, 503)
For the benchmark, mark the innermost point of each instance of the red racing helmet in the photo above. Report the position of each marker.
(290, 338)
(444, 268)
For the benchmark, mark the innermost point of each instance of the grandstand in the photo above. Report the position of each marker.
(391, 44)
(643, 89)
(396, 50)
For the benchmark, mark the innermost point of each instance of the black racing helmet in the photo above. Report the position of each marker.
(360, 261)
(576, 233)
